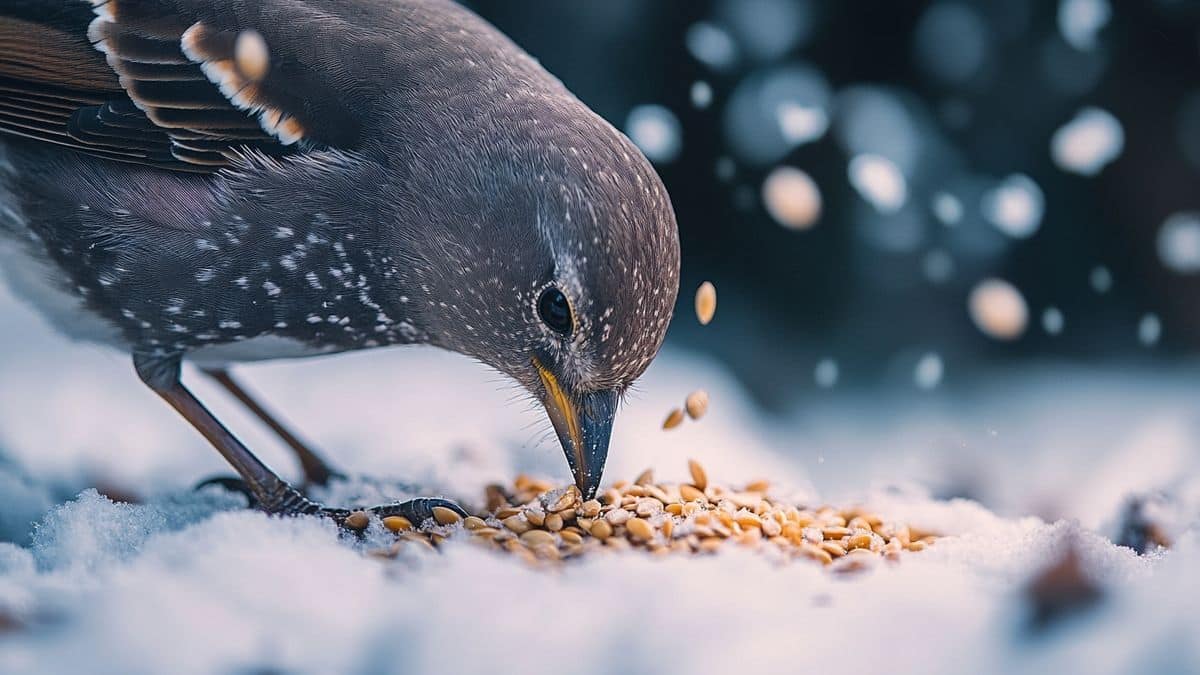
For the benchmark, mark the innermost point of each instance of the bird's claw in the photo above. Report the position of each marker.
(293, 503)
(416, 510)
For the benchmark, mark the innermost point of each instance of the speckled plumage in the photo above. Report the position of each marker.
(404, 174)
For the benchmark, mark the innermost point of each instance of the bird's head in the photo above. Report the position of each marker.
(557, 265)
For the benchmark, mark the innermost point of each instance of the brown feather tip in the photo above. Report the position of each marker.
(284, 127)
(252, 55)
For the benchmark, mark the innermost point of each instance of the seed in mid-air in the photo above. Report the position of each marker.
(674, 419)
(251, 55)
(706, 302)
(697, 404)
(699, 477)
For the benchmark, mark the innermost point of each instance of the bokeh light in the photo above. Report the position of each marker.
(1088, 143)
(1014, 206)
(998, 309)
(879, 182)
(656, 130)
(792, 198)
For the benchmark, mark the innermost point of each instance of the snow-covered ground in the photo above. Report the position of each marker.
(186, 582)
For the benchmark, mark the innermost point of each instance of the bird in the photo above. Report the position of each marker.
(220, 182)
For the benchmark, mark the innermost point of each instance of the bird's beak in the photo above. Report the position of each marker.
(583, 423)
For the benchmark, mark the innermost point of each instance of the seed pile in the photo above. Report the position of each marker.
(533, 520)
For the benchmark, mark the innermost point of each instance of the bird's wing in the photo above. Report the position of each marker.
(185, 85)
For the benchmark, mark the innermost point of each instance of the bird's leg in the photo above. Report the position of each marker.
(316, 471)
(272, 493)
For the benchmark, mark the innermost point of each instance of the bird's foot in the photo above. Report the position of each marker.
(288, 501)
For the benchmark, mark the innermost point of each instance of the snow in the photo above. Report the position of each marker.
(187, 582)
(712, 45)
(1015, 206)
(1088, 143)
(1080, 21)
(1178, 242)
(878, 181)
(656, 131)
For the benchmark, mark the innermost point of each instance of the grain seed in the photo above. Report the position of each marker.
(690, 494)
(445, 516)
(601, 529)
(706, 302)
(358, 520)
(699, 477)
(517, 524)
(674, 419)
(639, 529)
(535, 538)
(696, 404)
(399, 523)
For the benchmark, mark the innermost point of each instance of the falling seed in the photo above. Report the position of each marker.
(706, 302)
(674, 419)
(699, 477)
(697, 404)
(358, 520)
(758, 486)
(251, 54)
(400, 523)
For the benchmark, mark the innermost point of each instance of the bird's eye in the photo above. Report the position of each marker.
(555, 311)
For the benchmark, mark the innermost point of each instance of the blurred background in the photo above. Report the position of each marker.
(908, 194)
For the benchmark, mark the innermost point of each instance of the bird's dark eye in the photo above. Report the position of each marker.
(554, 309)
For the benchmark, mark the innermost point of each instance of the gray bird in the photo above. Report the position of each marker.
(256, 179)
